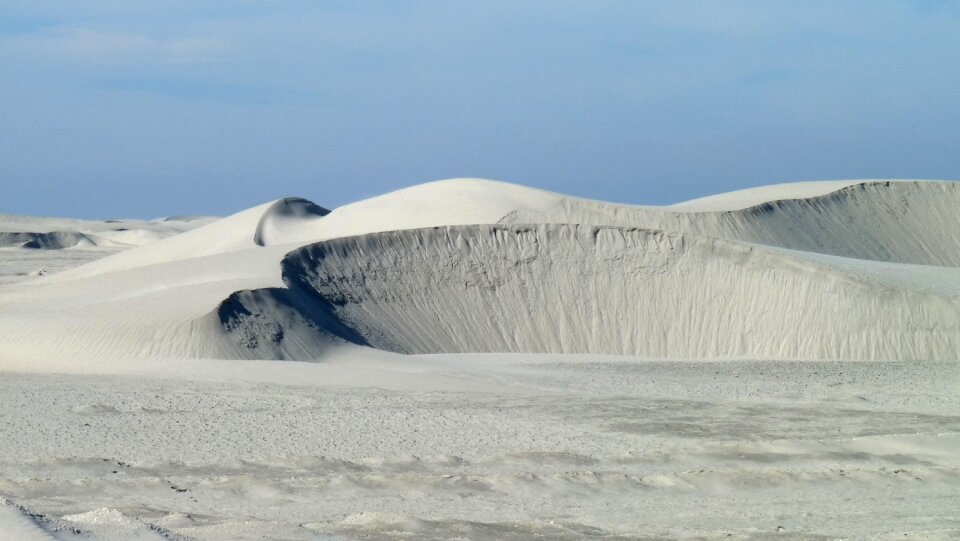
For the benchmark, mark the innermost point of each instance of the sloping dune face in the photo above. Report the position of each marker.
(901, 222)
(613, 290)
(264, 225)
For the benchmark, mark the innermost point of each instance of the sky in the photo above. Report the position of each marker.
(115, 108)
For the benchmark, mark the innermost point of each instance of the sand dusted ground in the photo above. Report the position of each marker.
(490, 448)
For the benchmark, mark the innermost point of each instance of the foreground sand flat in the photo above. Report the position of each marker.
(548, 447)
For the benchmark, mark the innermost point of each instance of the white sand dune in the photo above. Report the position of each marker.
(843, 270)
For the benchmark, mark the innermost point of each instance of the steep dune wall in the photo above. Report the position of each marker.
(590, 289)
(902, 222)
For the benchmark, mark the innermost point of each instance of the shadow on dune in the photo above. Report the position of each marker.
(53, 240)
(280, 323)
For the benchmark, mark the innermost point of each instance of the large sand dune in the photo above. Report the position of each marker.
(845, 270)
(614, 290)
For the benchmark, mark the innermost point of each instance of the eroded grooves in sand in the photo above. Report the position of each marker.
(590, 289)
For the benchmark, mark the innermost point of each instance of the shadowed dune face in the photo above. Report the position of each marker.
(591, 289)
(277, 323)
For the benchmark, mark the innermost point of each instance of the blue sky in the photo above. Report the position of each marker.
(119, 108)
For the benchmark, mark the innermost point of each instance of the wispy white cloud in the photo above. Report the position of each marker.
(89, 45)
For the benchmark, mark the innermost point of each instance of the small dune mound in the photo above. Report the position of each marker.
(53, 240)
(185, 218)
